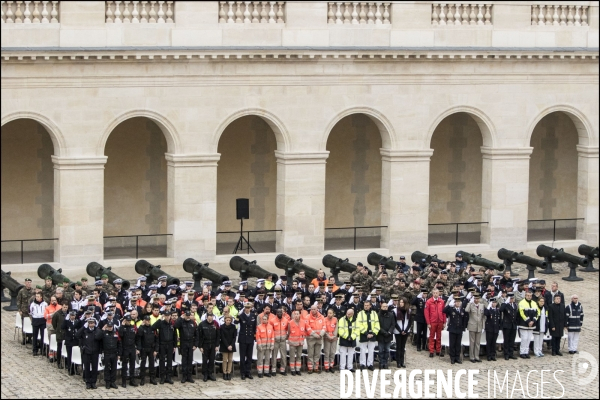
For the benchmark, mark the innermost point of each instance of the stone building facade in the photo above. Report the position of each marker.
(145, 118)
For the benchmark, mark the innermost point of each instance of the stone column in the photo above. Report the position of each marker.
(405, 199)
(505, 197)
(192, 206)
(587, 194)
(78, 209)
(301, 203)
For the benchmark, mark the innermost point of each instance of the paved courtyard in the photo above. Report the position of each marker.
(26, 377)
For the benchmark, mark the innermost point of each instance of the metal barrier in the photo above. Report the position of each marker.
(22, 251)
(338, 243)
(445, 237)
(552, 229)
(137, 245)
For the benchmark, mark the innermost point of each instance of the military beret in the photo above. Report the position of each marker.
(117, 281)
(84, 279)
(416, 268)
(104, 276)
(359, 264)
(435, 271)
(78, 283)
(48, 278)
(384, 272)
(444, 272)
(28, 280)
(66, 280)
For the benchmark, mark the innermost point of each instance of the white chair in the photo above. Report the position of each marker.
(53, 346)
(76, 356)
(464, 343)
(564, 339)
(18, 326)
(445, 340)
(235, 359)
(197, 360)
(46, 342)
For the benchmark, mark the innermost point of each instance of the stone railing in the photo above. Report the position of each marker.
(140, 12)
(30, 12)
(461, 14)
(252, 12)
(563, 15)
(356, 13)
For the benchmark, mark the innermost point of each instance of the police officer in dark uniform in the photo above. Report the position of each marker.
(111, 347)
(457, 323)
(188, 338)
(493, 323)
(90, 350)
(70, 327)
(421, 333)
(247, 330)
(339, 309)
(166, 346)
(127, 333)
(147, 345)
(509, 313)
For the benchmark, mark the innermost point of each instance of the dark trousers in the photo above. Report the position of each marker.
(90, 368)
(58, 351)
(490, 343)
(246, 358)
(187, 359)
(421, 334)
(38, 330)
(110, 368)
(509, 341)
(128, 359)
(454, 348)
(555, 344)
(208, 360)
(69, 354)
(400, 348)
(165, 360)
(147, 354)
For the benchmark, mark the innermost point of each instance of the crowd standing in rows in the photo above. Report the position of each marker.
(372, 309)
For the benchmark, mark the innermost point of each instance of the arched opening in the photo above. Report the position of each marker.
(553, 188)
(455, 181)
(353, 184)
(135, 191)
(247, 169)
(27, 193)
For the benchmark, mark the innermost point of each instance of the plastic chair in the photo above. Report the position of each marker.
(53, 346)
(18, 326)
(464, 342)
(27, 327)
(76, 356)
(197, 359)
(235, 359)
(564, 339)
(445, 340)
(46, 342)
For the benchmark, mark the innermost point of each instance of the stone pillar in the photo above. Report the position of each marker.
(301, 203)
(587, 194)
(78, 209)
(505, 197)
(405, 199)
(192, 206)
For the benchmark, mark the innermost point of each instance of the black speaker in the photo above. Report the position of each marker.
(242, 208)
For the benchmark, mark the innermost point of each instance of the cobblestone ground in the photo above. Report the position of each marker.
(26, 377)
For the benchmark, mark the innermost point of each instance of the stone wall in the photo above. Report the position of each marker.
(455, 180)
(27, 181)
(135, 180)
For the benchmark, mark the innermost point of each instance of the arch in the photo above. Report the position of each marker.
(488, 131)
(167, 128)
(282, 135)
(386, 129)
(58, 140)
(582, 124)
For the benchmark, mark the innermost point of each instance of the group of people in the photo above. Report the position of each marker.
(154, 320)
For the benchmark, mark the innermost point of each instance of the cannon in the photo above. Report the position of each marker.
(13, 287)
(291, 267)
(337, 265)
(201, 271)
(248, 269)
(550, 254)
(375, 259)
(482, 262)
(46, 270)
(143, 267)
(590, 253)
(418, 256)
(510, 256)
(546, 252)
(96, 271)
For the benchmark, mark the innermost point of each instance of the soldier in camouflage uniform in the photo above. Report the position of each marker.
(48, 290)
(106, 287)
(355, 276)
(23, 302)
(67, 290)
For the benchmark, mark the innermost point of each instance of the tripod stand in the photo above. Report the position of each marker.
(242, 239)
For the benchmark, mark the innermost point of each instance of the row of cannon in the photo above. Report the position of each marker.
(336, 265)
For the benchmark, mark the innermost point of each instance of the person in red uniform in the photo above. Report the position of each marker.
(435, 317)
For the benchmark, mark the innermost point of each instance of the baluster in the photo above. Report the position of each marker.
(370, 14)
(465, 14)
(2, 16)
(548, 20)
(378, 19)
(362, 15)
(152, 13)
(118, 12)
(457, 14)
(386, 14)
(442, 14)
(488, 15)
(263, 12)
(570, 16)
(584, 16)
(126, 12)
(434, 15)
(170, 11)
(109, 13)
(238, 12)
(330, 13)
(36, 13)
(161, 13)
(272, 12)
(534, 18)
(230, 19)
(222, 13)
(555, 16)
(346, 13)
(18, 13)
(338, 14)
(246, 12)
(541, 16)
(354, 14)
(27, 13)
(479, 15)
(9, 12)
(577, 17)
(450, 15)
(563, 16)
(472, 16)
(144, 12)
(54, 13)
(255, 12)
(280, 5)
(135, 13)
(45, 19)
